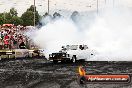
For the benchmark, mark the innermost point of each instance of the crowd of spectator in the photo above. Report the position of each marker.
(12, 37)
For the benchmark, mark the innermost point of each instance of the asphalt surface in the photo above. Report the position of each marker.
(40, 73)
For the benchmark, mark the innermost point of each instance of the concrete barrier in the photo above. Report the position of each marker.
(20, 53)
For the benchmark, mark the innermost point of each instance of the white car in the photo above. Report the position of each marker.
(72, 53)
(79, 52)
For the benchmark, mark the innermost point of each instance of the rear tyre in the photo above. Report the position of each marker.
(74, 59)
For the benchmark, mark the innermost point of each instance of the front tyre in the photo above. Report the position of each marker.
(55, 61)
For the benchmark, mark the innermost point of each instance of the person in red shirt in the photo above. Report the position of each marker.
(6, 41)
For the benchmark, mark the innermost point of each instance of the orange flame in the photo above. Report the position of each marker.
(81, 71)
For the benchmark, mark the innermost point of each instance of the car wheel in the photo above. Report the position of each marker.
(74, 59)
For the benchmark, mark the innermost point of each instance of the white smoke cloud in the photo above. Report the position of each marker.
(109, 33)
(55, 34)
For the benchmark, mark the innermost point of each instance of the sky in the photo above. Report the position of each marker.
(59, 5)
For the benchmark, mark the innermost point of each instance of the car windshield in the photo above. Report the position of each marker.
(71, 47)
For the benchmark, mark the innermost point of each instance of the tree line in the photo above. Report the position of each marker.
(26, 18)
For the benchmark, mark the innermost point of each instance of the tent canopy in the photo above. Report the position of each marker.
(7, 25)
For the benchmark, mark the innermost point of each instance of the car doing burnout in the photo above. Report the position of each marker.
(72, 53)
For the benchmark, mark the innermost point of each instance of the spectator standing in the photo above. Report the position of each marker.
(6, 41)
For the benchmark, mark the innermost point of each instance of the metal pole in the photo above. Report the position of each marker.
(34, 13)
(97, 6)
(48, 6)
(4, 16)
(105, 1)
(113, 3)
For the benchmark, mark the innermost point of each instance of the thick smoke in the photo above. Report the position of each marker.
(55, 34)
(109, 33)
